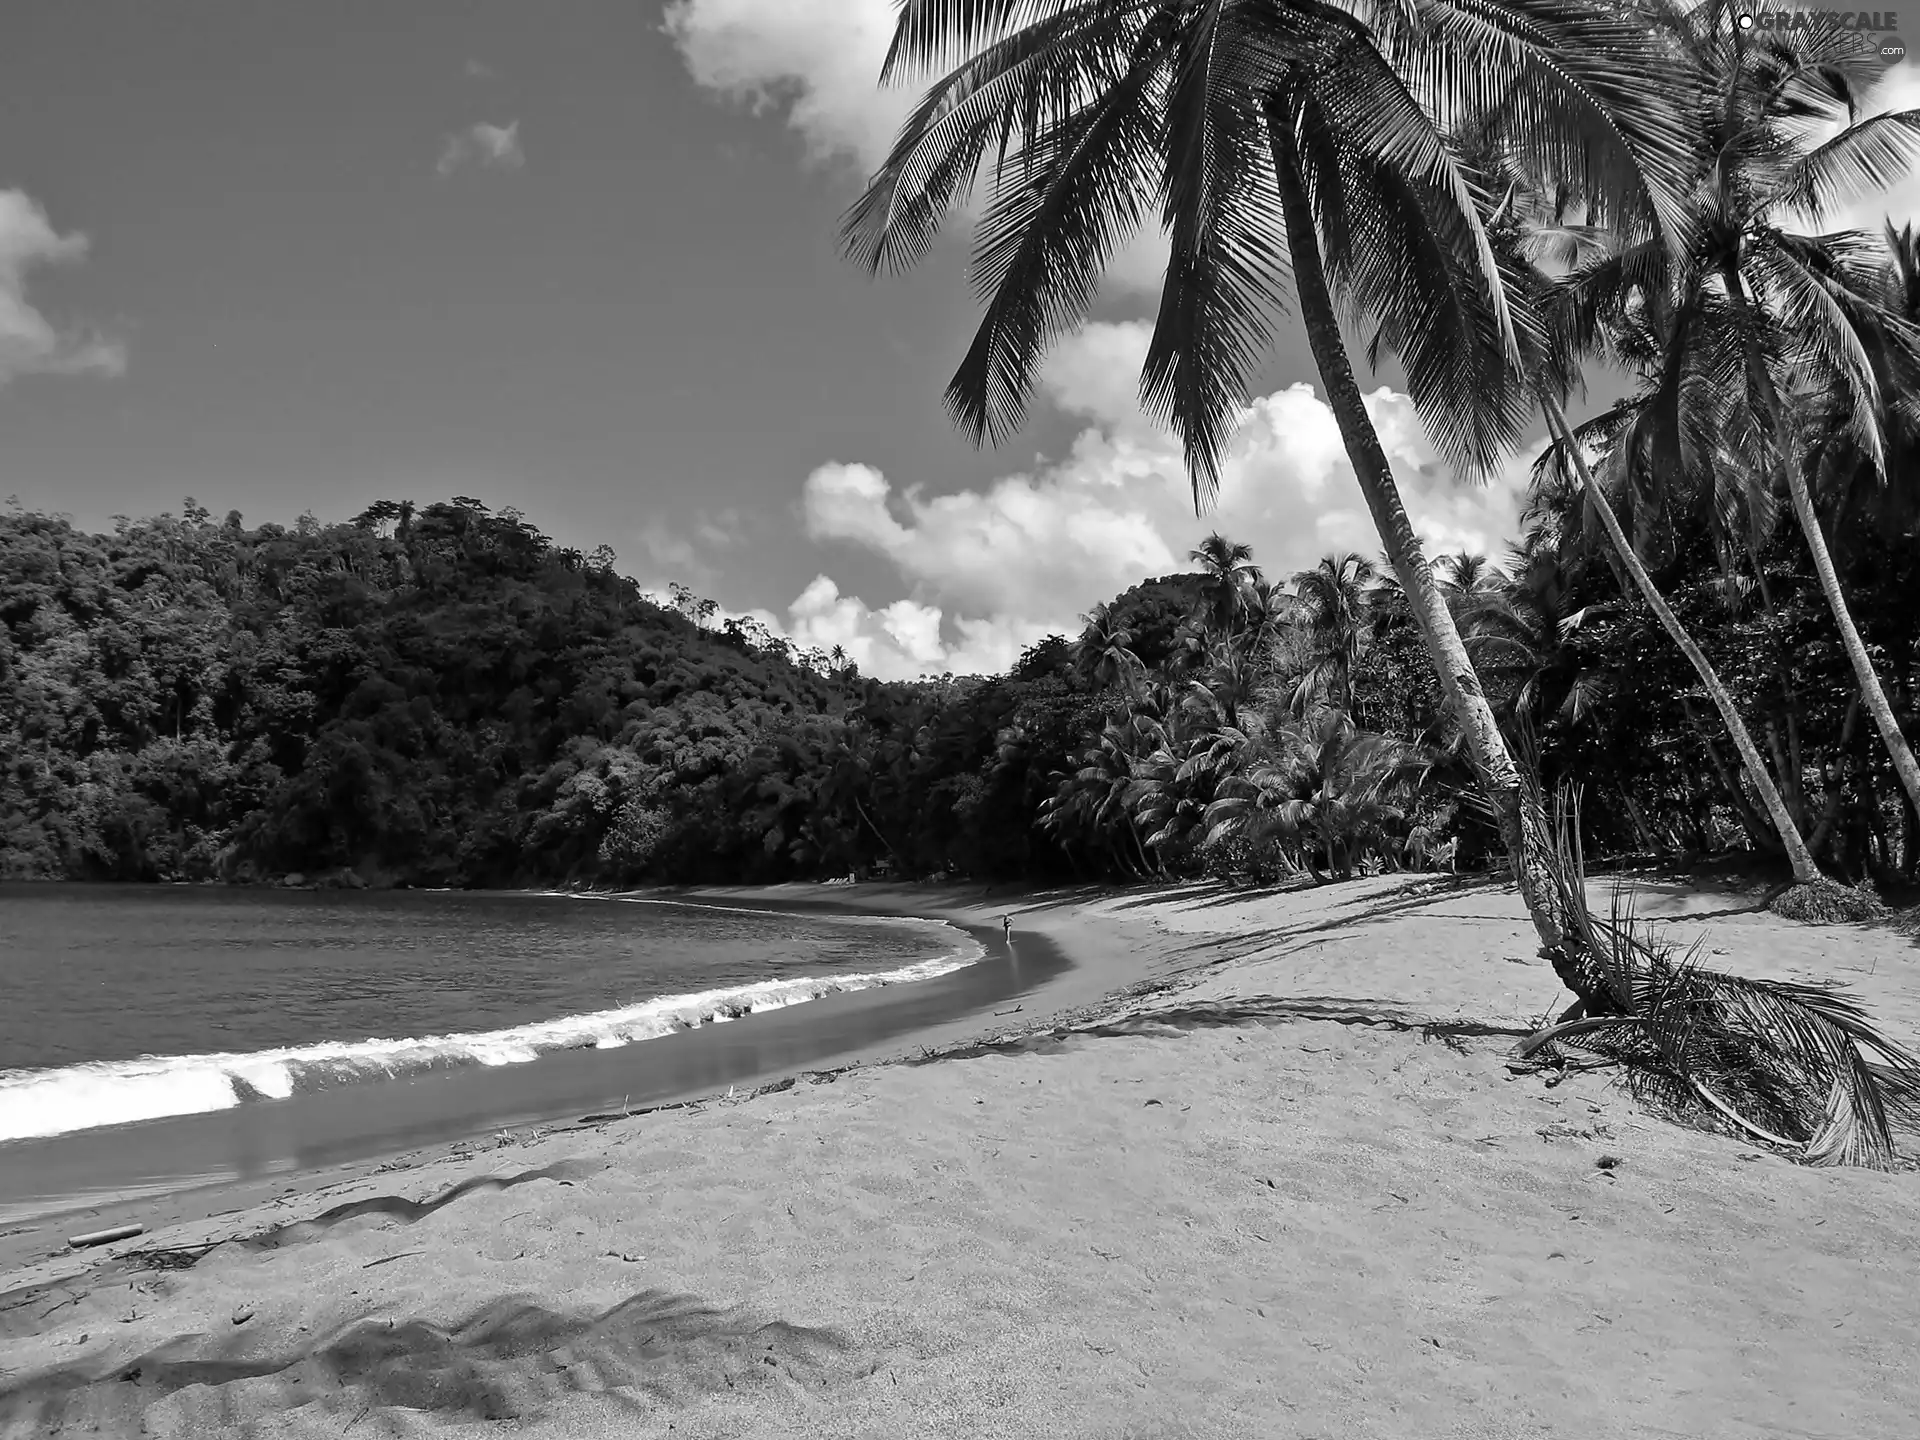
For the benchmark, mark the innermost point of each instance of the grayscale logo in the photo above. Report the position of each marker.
(1877, 25)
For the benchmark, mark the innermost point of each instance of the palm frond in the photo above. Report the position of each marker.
(1016, 86)
(1227, 269)
(1863, 158)
(1795, 1064)
(1061, 209)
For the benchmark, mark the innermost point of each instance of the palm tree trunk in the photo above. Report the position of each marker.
(1835, 779)
(1798, 856)
(1752, 821)
(1877, 704)
(1523, 826)
(1871, 691)
(876, 830)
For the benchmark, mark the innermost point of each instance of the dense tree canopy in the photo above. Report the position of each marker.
(444, 697)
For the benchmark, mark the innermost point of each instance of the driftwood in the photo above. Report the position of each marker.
(104, 1237)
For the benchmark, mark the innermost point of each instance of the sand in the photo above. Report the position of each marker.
(1291, 1191)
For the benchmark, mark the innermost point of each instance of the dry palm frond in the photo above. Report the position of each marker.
(1798, 1065)
(1828, 902)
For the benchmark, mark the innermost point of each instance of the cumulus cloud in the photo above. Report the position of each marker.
(490, 147)
(816, 65)
(990, 571)
(816, 62)
(29, 342)
(901, 640)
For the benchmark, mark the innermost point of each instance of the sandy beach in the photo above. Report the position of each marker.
(1283, 1185)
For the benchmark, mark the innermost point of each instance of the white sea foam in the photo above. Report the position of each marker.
(39, 1103)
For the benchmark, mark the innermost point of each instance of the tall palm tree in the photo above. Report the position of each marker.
(1465, 576)
(1104, 654)
(1230, 573)
(1335, 596)
(1531, 226)
(1846, 478)
(1290, 147)
(1568, 450)
(1763, 310)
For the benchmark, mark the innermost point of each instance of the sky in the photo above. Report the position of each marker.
(582, 262)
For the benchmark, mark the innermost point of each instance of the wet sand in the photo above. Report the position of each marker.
(1291, 1191)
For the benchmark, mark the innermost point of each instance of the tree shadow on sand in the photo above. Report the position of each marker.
(1259, 1010)
(509, 1359)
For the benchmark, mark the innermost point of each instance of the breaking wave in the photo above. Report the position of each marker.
(39, 1103)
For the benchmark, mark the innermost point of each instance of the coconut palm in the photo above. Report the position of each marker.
(1464, 576)
(1636, 444)
(1103, 654)
(1335, 596)
(1290, 148)
(1330, 793)
(1756, 312)
(1230, 574)
(1522, 639)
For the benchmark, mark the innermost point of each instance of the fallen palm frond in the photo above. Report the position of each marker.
(1797, 1065)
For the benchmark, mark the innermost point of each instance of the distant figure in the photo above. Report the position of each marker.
(1006, 923)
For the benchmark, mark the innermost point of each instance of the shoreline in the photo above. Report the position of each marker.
(1285, 1186)
(832, 1033)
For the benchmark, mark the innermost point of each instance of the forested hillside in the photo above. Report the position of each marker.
(446, 698)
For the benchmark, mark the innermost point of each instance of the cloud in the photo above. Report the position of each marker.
(29, 342)
(901, 640)
(680, 554)
(816, 64)
(491, 147)
(990, 571)
(815, 61)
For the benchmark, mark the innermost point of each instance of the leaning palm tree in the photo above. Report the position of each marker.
(1531, 228)
(1765, 310)
(1289, 148)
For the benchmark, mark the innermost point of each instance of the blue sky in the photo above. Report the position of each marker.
(581, 261)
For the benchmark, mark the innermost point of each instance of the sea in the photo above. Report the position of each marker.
(153, 1038)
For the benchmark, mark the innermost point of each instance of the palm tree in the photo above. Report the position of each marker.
(1760, 309)
(1522, 639)
(1854, 487)
(1288, 146)
(1635, 443)
(1230, 573)
(1335, 596)
(1103, 654)
(1465, 576)
(1569, 451)
(1329, 793)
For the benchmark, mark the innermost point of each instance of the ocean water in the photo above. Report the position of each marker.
(125, 1004)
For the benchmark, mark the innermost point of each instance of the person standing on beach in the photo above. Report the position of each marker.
(1006, 923)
